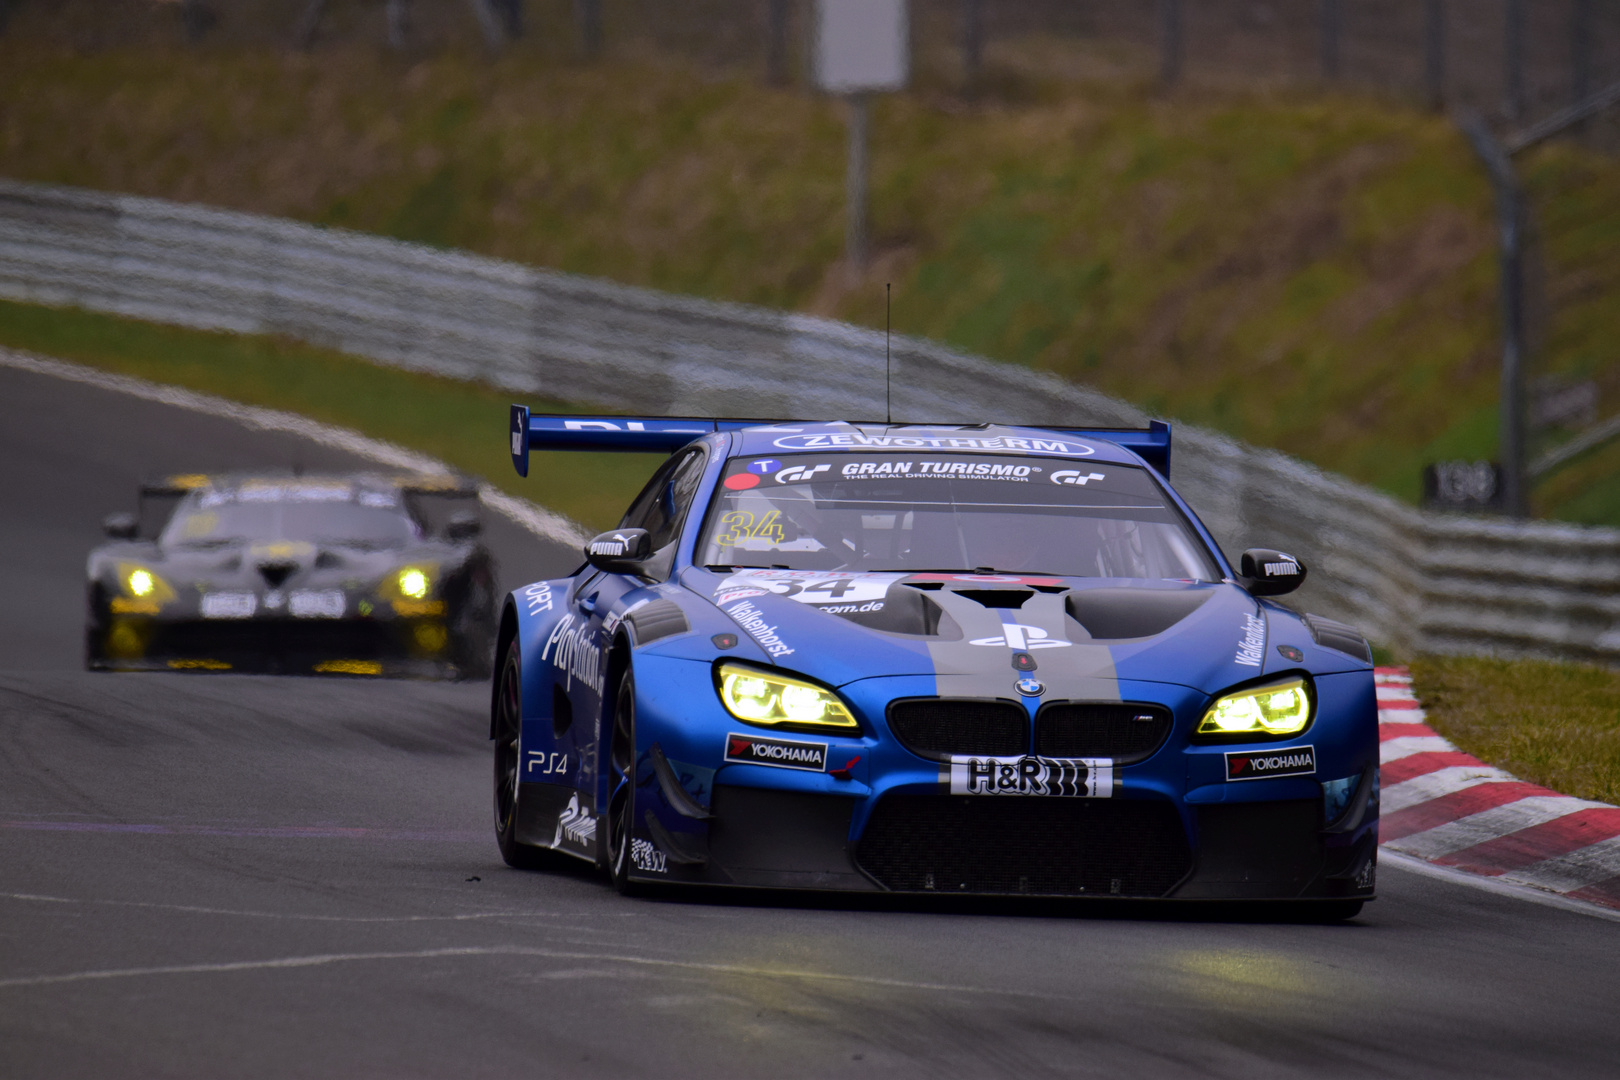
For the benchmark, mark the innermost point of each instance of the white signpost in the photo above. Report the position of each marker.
(861, 47)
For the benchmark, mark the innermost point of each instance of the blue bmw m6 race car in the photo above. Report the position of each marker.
(928, 659)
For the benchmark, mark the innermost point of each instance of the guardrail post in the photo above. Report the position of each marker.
(1169, 42)
(1434, 52)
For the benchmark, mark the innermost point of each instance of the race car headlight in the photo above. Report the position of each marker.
(143, 592)
(772, 700)
(1282, 708)
(413, 583)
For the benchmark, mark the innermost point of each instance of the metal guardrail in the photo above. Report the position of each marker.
(1409, 579)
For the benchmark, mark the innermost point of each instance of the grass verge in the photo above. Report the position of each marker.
(1552, 724)
(461, 423)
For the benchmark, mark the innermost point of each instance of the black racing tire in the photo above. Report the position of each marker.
(622, 803)
(508, 729)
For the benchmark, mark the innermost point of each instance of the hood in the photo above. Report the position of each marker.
(978, 634)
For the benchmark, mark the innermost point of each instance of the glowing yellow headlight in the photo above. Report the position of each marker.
(772, 700)
(1280, 709)
(143, 592)
(413, 583)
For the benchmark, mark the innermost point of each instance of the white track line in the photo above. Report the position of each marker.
(323, 959)
(1499, 886)
(537, 519)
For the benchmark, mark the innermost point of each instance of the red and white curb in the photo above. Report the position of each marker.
(1447, 808)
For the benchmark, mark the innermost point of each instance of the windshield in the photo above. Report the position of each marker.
(903, 511)
(325, 514)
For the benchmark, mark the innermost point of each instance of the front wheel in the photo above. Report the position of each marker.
(508, 733)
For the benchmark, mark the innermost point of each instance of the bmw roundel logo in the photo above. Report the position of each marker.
(1030, 687)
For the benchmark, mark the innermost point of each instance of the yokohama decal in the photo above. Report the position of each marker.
(1290, 761)
(782, 753)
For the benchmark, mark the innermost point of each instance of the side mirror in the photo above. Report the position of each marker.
(621, 551)
(120, 526)
(463, 525)
(1265, 572)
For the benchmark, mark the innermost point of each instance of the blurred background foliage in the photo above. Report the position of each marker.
(1303, 265)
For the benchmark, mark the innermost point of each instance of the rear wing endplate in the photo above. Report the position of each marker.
(667, 434)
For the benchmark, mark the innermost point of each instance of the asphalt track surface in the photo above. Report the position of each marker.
(222, 876)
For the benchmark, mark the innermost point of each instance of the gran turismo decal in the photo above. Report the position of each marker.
(781, 753)
(918, 442)
(1289, 761)
(644, 856)
(1021, 636)
(936, 470)
(576, 825)
(1074, 477)
(1251, 651)
(800, 473)
(577, 655)
(749, 617)
(546, 764)
(728, 596)
(1074, 778)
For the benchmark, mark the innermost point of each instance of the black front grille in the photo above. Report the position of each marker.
(1036, 846)
(940, 727)
(336, 638)
(1127, 733)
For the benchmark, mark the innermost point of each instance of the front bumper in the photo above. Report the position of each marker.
(878, 818)
(392, 647)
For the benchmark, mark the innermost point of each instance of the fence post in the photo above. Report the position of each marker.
(855, 242)
(1332, 19)
(1169, 42)
(776, 42)
(1513, 60)
(1510, 223)
(972, 43)
(1580, 51)
(588, 17)
(1434, 52)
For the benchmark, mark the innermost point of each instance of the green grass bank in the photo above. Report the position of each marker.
(1557, 725)
(1310, 272)
(460, 423)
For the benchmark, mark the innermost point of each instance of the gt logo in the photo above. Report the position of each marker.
(800, 472)
(1072, 476)
(1020, 636)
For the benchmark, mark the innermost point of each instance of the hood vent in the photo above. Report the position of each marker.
(1109, 614)
(997, 598)
(275, 573)
(1336, 635)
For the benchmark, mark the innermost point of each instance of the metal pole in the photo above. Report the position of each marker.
(1332, 20)
(398, 24)
(1169, 42)
(776, 42)
(972, 43)
(1580, 50)
(1510, 222)
(588, 17)
(1513, 60)
(1434, 52)
(855, 184)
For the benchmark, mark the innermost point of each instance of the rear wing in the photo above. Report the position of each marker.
(666, 434)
